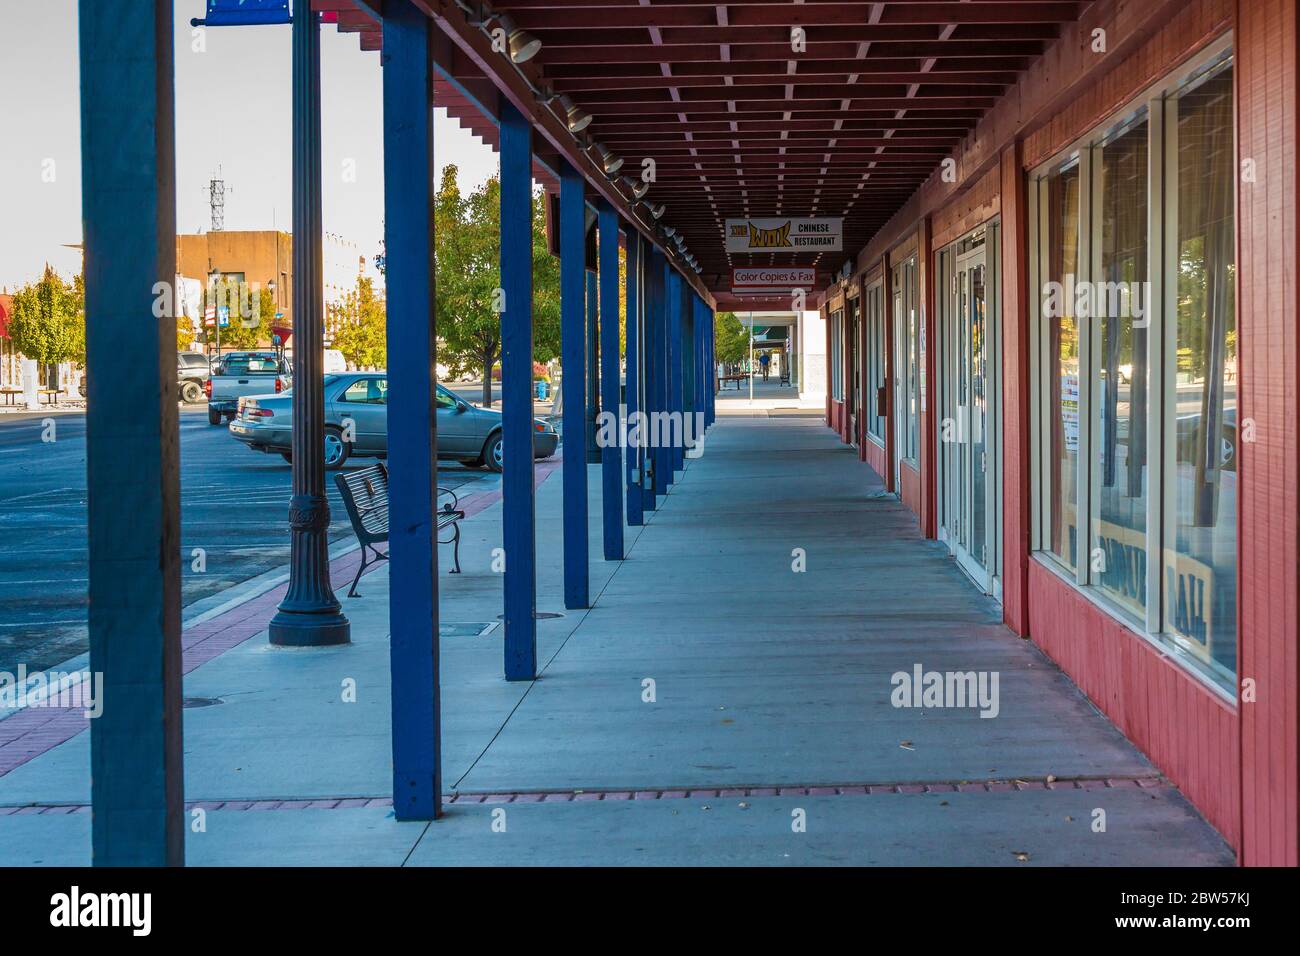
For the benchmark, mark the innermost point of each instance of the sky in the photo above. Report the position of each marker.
(233, 114)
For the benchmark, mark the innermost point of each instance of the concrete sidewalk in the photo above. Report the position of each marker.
(770, 739)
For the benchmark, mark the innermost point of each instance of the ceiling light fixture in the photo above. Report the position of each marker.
(521, 44)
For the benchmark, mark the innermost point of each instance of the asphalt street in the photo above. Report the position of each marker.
(234, 505)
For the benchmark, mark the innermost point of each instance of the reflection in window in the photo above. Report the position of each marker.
(1061, 255)
(1200, 534)
(1119, 399)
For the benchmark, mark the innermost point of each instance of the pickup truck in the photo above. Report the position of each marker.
(241, 374)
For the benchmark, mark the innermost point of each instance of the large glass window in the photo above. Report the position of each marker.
(907, 334)
(1059, 194)
(837, 355)
(1118, 410)
(1136, 413)
(1200, 437)
(874, 316)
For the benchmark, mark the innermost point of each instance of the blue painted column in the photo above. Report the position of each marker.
(518, 515)
(573, 355)
(611, 455)
(412, 418)
(132, 463)
(635, 378)
(713, 366)
(663, 452)
(652, 269)
(676, 395)
(593, 365)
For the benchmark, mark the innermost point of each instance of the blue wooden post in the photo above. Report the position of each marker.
(652, 269)
(663, 453)
(635, 379)
(713, 366)
(675, 369)
(593, 366)
(132, 468)
(573, 348)
(611, 455)
(518, 516)
(412, 462)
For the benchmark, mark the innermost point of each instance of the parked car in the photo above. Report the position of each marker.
(240, 374)
(469, 435)
(192, 374)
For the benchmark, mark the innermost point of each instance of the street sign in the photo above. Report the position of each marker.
(785, 234)
(772, 280)
(244, 13)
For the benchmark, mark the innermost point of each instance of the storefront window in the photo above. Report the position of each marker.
(1149, 366)
(1060, 255)
(837, 355)
(1119, 387)
(1200, 440)
(906, 332)
(875, 339)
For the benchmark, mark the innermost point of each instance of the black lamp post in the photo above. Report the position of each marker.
(310, 614)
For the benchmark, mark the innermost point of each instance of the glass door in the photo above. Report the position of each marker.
(854, 397)
(968, 437)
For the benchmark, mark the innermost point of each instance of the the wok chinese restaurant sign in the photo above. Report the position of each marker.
(779, 234)
(772, 280)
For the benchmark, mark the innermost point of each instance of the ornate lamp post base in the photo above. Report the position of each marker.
(308, 629)
(310, 615)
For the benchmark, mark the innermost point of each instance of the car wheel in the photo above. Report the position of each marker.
(214, 417)
(336, 449)
(492, 452)
(191, 393)
(287, 456)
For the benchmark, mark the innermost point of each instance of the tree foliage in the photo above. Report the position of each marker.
(361, 332)
(467, 255)
(49, 321)
(731, 337)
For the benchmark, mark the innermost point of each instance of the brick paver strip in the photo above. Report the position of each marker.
(587, 796)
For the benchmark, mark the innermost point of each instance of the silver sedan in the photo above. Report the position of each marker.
(356, 423)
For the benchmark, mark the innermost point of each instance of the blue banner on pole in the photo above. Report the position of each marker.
(244, 13)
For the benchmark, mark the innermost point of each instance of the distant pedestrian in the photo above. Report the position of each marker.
(765, 360)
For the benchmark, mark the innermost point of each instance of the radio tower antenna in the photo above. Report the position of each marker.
(217, 201)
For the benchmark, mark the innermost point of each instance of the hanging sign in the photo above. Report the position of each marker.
(772, 280)
(783, 234)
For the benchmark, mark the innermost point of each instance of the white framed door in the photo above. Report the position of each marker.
(969, 438)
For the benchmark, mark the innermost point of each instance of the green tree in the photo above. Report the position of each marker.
(49, 322)
(731, 338)
(243, 333)
(361, 333)
(467, 255)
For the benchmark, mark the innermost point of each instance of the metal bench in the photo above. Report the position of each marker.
(365, 496)
(736, 377)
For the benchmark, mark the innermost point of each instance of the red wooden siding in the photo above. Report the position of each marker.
(1268, 521)
(1185, 729)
